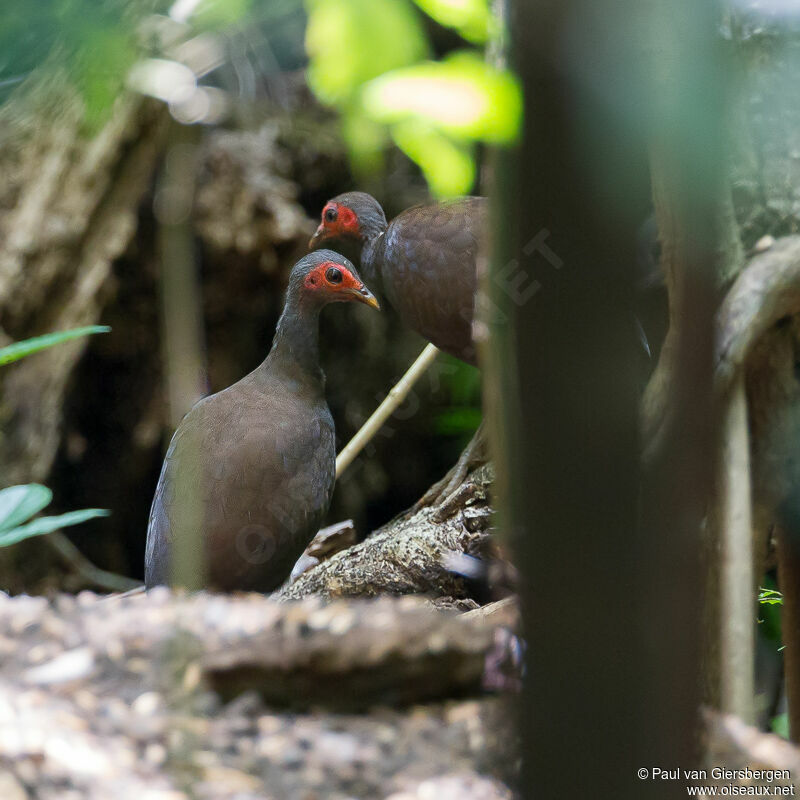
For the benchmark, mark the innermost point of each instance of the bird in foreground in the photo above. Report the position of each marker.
(424, 262)
(251, 468)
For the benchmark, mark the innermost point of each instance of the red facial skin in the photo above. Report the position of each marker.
(345, 224)
(349, 288)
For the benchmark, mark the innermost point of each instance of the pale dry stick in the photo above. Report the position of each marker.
(396, 396)
(737, 622)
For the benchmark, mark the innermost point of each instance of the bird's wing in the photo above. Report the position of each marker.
(259, 472)
(429, 273)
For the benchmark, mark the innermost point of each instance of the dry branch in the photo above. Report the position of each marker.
(737, 634)
(767, 290)
(406, 555)
(393, 401)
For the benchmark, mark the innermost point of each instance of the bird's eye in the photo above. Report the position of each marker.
(333, 275)
(330, 215)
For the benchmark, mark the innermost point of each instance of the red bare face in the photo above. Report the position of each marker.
(337, 221)
(338, 284)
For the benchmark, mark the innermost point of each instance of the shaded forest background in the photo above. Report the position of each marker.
(199, 141)
(88, 164)
(262, 176)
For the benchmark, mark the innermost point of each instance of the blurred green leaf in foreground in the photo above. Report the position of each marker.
(93, 42)
(370, 59)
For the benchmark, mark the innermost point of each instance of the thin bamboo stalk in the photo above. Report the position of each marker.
(393, 400)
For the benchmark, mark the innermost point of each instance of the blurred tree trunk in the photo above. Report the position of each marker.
(611, 608)
(68, 209)
(565, 350)
(772, 138)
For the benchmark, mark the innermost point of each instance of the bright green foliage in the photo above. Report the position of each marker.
(19, 503)
(449, 165)
(770, 610)
(462, 96)
(352, 41)
(14, 352)
(367, 58)
(771, 597)
(770, 602)
(349, 42)
(365, 138)
(471, 18)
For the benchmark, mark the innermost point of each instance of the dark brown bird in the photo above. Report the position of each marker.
(253, 466)
(424, 262)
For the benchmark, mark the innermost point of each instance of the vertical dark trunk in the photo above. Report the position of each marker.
(789, 582)
(573, 414)
(611, 608)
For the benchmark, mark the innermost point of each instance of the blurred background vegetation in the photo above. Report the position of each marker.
(255, 113)
(142, 139)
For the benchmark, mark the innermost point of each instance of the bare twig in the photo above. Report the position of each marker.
(396, 396)
(501, 612)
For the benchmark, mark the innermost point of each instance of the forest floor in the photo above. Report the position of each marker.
(159, 696)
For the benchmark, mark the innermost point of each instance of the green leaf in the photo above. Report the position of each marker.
(449, 166)
(463, 96)
(14, 352)
(352, 41)
(770, 596)
(471, 18)
(20, 503)
(780, 725)
(49, 524)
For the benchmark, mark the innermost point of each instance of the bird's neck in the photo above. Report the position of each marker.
(373, 226)
(371, 261)
(295, 348)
